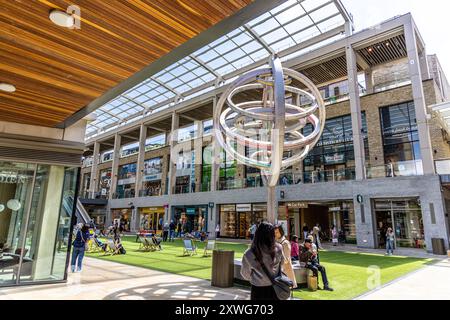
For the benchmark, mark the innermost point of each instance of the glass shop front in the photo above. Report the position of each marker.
(235, 220)
(36, 209)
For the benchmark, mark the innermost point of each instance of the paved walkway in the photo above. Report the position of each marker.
(104, 280)
(429, 283)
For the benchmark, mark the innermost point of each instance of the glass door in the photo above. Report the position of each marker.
(244, 225)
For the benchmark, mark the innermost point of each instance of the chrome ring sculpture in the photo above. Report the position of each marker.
(269, 127)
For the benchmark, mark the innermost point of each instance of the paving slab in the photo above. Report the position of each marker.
(105, 280)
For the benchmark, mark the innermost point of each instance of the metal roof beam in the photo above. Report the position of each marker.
(260, 40)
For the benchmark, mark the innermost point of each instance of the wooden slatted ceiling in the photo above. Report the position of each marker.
(57, 71)
(385, 51)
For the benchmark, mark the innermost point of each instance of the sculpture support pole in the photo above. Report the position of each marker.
(272, 205)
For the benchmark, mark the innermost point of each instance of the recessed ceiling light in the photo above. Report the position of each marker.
(7, 87)
(62, 19)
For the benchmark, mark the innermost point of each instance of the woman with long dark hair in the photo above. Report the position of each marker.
(264, 250)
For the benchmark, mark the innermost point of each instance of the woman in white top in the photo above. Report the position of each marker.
(287, 265)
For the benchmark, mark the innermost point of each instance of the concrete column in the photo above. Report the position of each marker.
(368, 74)
(198, 150)
(173, 140)
(355, 107)
(115, 164)
(215, 158)
(426, 149)
(365, 234)
(140, 160)
(424, 67)
(297, 222)
(93, 185)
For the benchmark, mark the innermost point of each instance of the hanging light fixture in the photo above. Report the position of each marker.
(7, 87)
(62, 19)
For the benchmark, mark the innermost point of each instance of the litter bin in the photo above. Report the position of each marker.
(438, 246)
(222, 269)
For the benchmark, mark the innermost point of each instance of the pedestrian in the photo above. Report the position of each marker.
(294, 248)
(252, 231)
(217, 231)
(166, 228)
(287, 265)
(334, 235)
(316, 234)
(78, 248)
(390, 238)
(264, 250)
(305, 231)
(179, 228)
(172, 231)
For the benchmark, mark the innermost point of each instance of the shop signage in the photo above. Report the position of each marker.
(336, 158)
(243, 208)
(334, 209)
(153, 177)
(12, 178)
(211, 205)
(152, 210)
(126, 181)
(297, 205)
(359, 198)
(190, 211)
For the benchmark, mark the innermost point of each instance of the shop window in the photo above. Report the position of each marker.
(335, 150)
(126, 181)
(155, 142)
(105, 183)
(400, 134)
(151, 185)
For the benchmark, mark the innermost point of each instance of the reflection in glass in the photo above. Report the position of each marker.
(16, 184)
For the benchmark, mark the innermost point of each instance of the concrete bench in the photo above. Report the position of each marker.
(301, 273)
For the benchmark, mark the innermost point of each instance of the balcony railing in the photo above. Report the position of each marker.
(443, 169)
(93, 195)
(396, 169)
(182, 189)
(150, 193)
(124, 195)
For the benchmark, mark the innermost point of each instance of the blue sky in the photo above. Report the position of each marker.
(432, 18)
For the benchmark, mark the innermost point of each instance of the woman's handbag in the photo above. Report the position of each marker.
(281, 284)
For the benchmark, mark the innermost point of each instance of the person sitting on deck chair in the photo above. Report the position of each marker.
(308, 255)
(157, 241)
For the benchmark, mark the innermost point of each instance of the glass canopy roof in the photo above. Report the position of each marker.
(287, 25)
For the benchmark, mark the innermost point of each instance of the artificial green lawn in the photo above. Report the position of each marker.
(347, 271)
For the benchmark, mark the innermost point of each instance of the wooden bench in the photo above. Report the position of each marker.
(301, 273)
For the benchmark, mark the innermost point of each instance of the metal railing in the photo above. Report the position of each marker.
(396, 169)
(150, 193)
(128, 194)
(93, 195)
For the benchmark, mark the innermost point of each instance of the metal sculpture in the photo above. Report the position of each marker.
(271, 128)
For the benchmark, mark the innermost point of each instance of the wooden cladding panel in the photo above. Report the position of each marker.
(57, 71)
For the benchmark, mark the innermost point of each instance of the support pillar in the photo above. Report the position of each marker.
(368, 75)
(140, 160)
(215, 158)
(426, 149)
(93, 185)
(115, 165)
(198, 150)
(173, 140)
(355, 107)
